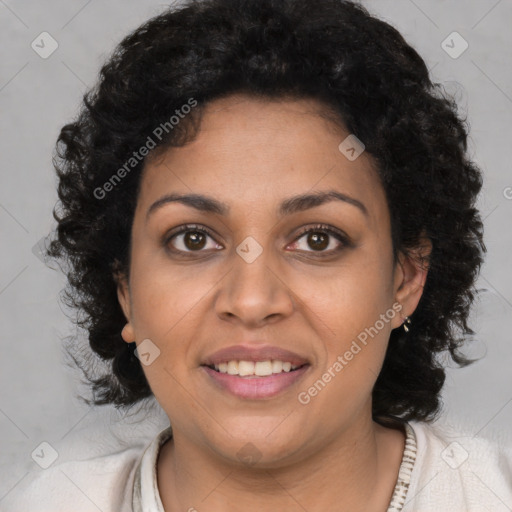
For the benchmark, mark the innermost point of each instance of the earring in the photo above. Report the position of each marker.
(407, 322)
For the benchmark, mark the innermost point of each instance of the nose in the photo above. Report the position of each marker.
(254, 293)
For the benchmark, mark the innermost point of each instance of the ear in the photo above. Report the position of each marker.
(410, 276)
(123, 296)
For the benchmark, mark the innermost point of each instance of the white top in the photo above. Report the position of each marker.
(441, 471)
(147, 498)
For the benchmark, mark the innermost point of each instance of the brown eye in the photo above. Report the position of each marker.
(322, 239)
(194, 240)
(189, 239)
(318, 241)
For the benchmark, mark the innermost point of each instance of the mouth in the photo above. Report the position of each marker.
(251, 369)
(254, 371)
(255, 380)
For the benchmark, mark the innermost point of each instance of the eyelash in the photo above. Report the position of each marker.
(333, 232)
(322, 228)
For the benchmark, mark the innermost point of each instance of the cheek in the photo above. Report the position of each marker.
(357, 308)
(355, 345)
(164, 295)
(167, 309)
(356, 293)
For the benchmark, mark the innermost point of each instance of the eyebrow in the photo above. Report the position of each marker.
(289, 206)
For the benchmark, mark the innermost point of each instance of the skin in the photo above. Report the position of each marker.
(329, 454)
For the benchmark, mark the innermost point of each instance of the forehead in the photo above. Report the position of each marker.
(256, 151)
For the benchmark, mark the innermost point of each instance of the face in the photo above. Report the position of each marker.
(276, 277)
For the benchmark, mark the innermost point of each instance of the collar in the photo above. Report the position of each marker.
(147, 497)
(145, 494)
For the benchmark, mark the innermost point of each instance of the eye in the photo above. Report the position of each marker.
(190, 238)
(194, 238)
(320, 237)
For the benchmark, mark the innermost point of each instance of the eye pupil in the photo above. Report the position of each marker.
(194, 240)
(320, 240)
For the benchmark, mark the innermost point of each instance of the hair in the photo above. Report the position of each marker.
(337, 53)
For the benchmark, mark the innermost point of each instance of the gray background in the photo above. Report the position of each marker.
(38, 96)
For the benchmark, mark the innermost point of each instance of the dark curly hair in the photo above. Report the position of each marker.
(333, 51)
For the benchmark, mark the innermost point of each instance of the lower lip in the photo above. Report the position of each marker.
(256, 387)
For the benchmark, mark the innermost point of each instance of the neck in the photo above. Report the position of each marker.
(354, 471)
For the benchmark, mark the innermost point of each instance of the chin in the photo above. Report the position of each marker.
(262, 445)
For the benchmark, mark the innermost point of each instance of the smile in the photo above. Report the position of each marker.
(255, 380)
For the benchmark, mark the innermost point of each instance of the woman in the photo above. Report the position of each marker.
(268, 218)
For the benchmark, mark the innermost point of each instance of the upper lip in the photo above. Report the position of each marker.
(253, 353)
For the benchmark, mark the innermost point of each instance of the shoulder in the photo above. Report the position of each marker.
(101, 482)
(94, 466)
(459, 469)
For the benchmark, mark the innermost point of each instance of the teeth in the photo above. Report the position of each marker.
(232, 368)
(263, 368)
(245, 368)
(277, 366)
(259, 369)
